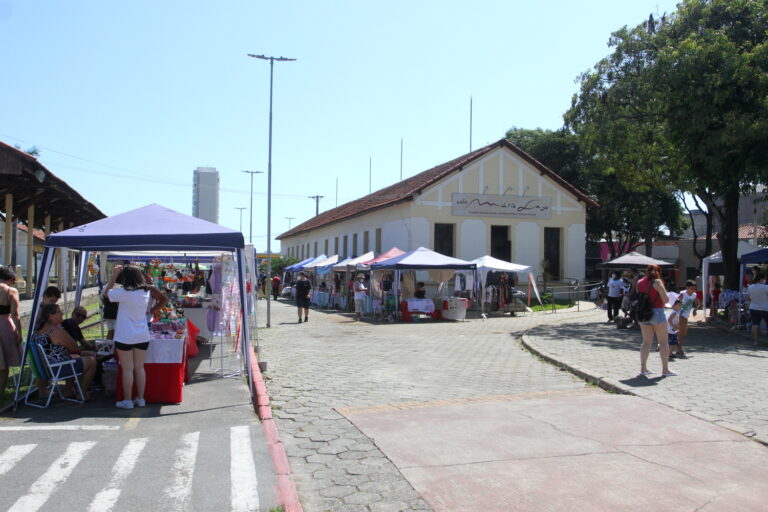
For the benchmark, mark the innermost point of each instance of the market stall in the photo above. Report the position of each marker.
(712, 265)
(511, 303)
(441, 269)
(154, 227)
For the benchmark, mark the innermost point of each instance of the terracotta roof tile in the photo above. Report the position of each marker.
(405, 190)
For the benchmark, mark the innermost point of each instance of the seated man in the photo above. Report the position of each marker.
(72, 326)
(420, 292)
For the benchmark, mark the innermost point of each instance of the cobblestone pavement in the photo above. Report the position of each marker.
(723, 380)
(333, 362)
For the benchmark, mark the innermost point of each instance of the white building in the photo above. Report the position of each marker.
(496, 200)
(205, 194)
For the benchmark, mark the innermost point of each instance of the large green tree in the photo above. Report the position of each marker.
(682, 104)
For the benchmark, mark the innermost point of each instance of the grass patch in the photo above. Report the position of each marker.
(550, 307)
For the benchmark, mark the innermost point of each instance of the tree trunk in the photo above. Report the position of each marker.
(729, 238)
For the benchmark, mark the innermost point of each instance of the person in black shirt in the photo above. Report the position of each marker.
(303, 287)
(72, 326)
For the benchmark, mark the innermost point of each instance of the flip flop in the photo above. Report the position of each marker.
(647, 372)
(670, 374)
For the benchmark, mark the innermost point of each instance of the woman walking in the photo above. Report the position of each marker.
(653, 286)
(131, 331)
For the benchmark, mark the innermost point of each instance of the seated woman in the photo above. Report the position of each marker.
(420, 292)
(59, 346)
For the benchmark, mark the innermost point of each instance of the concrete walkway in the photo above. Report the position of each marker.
(458, 416)
(724, 379)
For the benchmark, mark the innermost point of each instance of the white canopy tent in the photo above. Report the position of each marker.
(487, 264)
(350, 264)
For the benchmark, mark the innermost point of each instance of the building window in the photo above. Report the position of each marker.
(501, 248)
(552, 254)
(444, 239)
(354, 245)
(336, 245)
(308, 253)
(302, 252)
(326, 247)
(366, 242)
(378, 240)
(344, 249)
(315, 249)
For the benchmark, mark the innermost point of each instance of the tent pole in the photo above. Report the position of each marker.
(244, 331)
(82, 271)
(42, 278)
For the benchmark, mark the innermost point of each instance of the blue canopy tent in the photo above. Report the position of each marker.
(150, 228)
(421, 259)
(298, 266)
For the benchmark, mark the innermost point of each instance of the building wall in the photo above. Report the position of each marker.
(411, 224)
(205, 194)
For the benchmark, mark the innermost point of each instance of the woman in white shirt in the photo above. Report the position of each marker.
(131, 331)
(615, 292)
(758, 303)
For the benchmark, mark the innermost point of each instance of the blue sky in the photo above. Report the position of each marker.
(126, 99)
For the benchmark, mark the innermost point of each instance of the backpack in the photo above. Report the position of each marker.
(640, 305)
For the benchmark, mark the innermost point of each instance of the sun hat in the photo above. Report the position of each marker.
(673, 297)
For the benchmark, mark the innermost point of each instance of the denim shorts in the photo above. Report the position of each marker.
(657, 318)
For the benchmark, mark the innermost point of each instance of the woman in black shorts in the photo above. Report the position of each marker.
(131, 331)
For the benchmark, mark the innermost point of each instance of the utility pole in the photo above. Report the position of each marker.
(317, 204)
(401, 159)
(370, 173)
(269, 168)
(470, 124)
(289, 221)
(241, 216)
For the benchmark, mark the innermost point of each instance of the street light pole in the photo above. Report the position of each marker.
(241, 216)
(269, 168)
(250, 230)
(289, 221)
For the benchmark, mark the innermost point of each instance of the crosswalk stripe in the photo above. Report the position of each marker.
(245, 496)
(54, 476)
(106, 498)
(183, 469)
(12, 455)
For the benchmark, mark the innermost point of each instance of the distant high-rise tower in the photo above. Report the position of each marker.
(205, 194)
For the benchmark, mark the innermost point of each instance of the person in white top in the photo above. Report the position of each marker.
(689, 303)
(360, 294)
(758, 303)
(131, 331)
(615, 292)
(673, 322)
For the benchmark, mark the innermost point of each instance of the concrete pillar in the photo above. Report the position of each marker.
(8, 228)
(30, 249)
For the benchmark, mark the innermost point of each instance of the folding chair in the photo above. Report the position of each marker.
(53, 372)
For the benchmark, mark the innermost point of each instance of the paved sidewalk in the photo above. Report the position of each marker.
(333, 362)
(723, 380)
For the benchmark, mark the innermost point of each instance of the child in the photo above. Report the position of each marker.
(689, 303)
(673, 321)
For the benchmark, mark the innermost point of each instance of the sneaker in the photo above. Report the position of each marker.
(306, 319)
(124, 404)
(299, 320)
(139, 402)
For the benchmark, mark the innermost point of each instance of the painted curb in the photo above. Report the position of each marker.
(615, 387)
(286, 490)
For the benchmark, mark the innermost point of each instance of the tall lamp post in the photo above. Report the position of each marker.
(241, 208)
(250, 229)
(269, 168)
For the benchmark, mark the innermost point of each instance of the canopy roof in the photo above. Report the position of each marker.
(634, 259)
(322, 263)
(151, 227)
(491, 263)
(352, 262)
(423, 258)
(393, 252)
(165, 256)
(757, 256)
(742, 249)
(304, 264)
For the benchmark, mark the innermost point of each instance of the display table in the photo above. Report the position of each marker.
(418, 306)
(165, 366)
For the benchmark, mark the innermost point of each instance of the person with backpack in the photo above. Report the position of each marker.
(648, 306)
